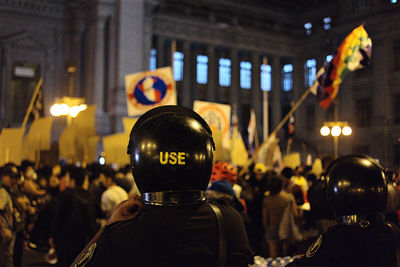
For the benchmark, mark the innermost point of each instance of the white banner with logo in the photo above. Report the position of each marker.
(149, 89)
(218, 116)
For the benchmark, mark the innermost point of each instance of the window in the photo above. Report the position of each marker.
(364, 112)
(308, 28)
(327, 23)
(287, 77)
(310, 72)
(328, 58)
(224, 72)
(153, 59)
(393, 1)
(396, 108)
(361, 5)
(266, 77)
(245, 75)
(396, 54)
(202, 69)
(178, 66)
(310, 122)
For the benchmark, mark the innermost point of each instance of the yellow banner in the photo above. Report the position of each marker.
(115, 147)
(11, 145)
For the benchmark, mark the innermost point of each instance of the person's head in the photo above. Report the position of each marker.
(106, 176)
(64, 178)
(259, 171)
(287, 172)
(27, 170)
(356, 187)
(223, 170)
(298, 171)
(275, 185)
(78, 176)
(9, 175)
(171, 155)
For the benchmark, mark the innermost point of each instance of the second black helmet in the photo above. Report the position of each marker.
(356, 185)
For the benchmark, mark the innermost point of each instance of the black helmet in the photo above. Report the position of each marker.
(171, 154)
(356, 187)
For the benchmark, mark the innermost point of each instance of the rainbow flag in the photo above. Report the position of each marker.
(354, 53)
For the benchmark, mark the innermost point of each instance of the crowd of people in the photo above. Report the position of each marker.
(57, 208)
(62, 207)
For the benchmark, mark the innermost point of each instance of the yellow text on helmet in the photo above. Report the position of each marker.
(173, 158)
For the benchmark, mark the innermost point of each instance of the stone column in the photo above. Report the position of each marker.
(235, 83)
(212, 73)
(276, 91)
(187, 75)
(381, 100)
(256, 93)
(129, 51)
(160, 51)
(298, 90)
(98, 66)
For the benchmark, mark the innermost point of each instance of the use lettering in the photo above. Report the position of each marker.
(172, 158)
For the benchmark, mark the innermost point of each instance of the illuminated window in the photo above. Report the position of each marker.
(266, 77)
(328, 58)
(178, 66)
(327, 23)
(287, 77)
(308, 28)
(202, 68)
(310, 72)
(393, 1)
(245, 75)
(153, 59)
(224, 72)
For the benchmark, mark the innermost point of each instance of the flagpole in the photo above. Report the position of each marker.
(265, 108)
(277, 128)
(35, 93)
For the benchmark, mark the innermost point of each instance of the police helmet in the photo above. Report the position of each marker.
(171, 155)
(356, 186)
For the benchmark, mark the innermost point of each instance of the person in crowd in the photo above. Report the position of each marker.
(171, 153)
(299, 179)
(322, 215)
(290, 187)
(274, 203)
(74, 222)
(7, 219)
(356, 190)
(393, 201)
(253, 194)
(29, 185)
(113, 195)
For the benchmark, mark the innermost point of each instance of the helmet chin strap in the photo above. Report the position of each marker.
(363, 220)
(174, 198)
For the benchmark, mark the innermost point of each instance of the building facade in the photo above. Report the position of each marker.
(232, 52)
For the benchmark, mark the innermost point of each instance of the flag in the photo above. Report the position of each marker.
(251, 128)
(38, 107)
(149, 89)
(354, 53)
(238, 151)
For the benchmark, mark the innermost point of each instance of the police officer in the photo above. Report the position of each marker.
(356, 191)
(171, 154)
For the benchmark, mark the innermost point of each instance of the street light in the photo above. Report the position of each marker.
(336, 128)
(68, 106)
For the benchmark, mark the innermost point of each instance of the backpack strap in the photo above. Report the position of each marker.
(221, 236)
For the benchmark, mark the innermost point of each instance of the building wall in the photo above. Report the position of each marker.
(107, 39)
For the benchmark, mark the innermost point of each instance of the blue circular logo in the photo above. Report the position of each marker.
(150, 90)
